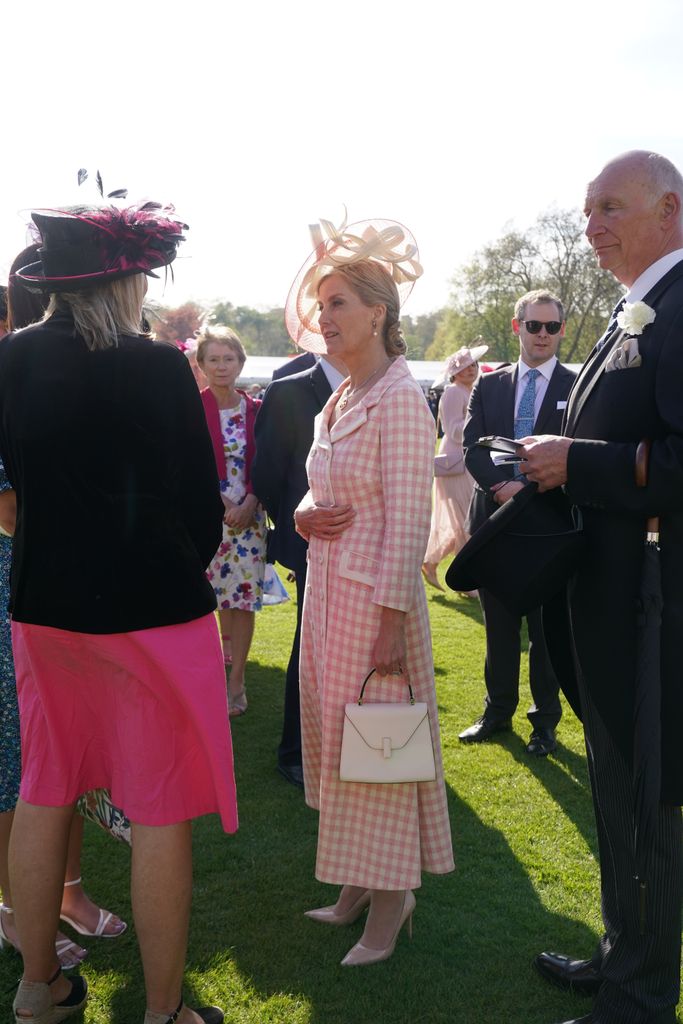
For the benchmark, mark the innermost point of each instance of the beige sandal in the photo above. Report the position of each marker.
(33, 1002)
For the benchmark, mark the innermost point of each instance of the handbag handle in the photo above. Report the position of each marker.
(365, 683)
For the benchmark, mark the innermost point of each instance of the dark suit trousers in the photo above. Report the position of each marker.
(289, 751)
(641, 973)
(501, 670)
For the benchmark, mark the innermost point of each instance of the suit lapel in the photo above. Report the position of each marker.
(550, 399)
(320, 385)
(507, 405)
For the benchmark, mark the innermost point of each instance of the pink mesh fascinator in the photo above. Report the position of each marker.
(463, 358)
(384, 241)
(82, 246)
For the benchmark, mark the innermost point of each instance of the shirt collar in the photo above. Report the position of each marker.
(333, 375)
(654, 273)
(545, 368)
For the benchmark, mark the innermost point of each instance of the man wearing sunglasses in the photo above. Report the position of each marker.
(516, 401)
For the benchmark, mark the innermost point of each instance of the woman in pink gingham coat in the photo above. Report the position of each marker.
(367, 519)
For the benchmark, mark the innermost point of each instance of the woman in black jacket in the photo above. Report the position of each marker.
(119, 667)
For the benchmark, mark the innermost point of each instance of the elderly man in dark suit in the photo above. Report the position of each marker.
(630, 389)
(284, 433)
(531, 395)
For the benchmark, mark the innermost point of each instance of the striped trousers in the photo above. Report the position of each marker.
(641, 973)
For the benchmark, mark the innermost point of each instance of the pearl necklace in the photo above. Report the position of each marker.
(348, 393)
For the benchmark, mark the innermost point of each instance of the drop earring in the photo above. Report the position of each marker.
(374, 327)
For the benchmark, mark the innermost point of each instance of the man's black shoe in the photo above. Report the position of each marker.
(483, 729)
(294, 773)
(580, 976)
(542, 742)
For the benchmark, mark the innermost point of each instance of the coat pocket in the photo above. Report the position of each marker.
(361, 568)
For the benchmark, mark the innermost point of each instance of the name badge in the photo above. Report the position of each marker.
(562, 405)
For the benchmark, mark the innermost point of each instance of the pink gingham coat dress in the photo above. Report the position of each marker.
(377, 457)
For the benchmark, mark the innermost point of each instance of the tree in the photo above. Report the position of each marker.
(552, 254)
(262, 334)
(175, 324)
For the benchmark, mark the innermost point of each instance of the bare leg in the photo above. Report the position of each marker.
(37, 861)
(348, 896)
(76, 904)
(240, 625)
(383, 917)
(161, 890)
(6, 819)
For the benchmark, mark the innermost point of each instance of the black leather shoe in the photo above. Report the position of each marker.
(588, 1019)
(580, 976)
(294, 773)
(542, 742)
(483, 729)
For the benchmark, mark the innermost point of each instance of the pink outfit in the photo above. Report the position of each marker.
(145, 711)
(451, 493)
(377, 457)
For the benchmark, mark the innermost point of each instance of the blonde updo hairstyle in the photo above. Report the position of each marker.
(222, 336)
(373, 286)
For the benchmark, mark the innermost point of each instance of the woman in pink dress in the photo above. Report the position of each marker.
(119, 668)
(453, 489)
(366, 518)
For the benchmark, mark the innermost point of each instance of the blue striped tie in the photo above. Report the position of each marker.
(524, 420)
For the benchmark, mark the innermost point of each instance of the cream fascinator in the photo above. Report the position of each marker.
(384, 241)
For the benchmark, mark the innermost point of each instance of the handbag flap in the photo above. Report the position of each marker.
(375, 723)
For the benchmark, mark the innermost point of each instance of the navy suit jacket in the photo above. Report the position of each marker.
(284, 434)
(492, 411)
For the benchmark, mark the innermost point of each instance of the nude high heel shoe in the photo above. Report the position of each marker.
(429, 573)
(327, 915)
(360, 955)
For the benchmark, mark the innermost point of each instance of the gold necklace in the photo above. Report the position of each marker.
(348, 393)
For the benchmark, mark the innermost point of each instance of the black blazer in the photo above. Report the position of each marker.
(304, 361)
(119, 509)
(609, 413)
(284, 434)
(492, 411)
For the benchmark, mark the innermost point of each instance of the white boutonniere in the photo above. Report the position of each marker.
(634, 317)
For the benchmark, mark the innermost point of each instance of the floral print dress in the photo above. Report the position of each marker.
(236, 570)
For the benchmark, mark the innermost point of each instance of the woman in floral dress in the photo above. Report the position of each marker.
(236, 571)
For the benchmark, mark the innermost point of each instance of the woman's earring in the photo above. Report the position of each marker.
(374, 327)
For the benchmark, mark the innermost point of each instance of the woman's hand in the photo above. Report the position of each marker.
(324, 523)
(389, 652)
(238, 517)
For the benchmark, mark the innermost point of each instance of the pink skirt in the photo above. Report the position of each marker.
(144, 714)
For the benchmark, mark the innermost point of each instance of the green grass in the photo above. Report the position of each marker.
(526, 876)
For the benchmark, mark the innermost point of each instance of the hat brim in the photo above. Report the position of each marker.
(524, 553)
(32, 277)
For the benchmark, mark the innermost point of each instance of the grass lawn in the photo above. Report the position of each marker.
(526, 876)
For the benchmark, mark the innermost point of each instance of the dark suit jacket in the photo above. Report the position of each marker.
(119, 508)
(284, 434)
(492, 411)
(305, 361)
(609, 413)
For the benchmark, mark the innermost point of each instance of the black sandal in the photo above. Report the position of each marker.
(209, 1014)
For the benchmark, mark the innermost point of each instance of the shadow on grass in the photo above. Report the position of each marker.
(476, 930)
(468, 606)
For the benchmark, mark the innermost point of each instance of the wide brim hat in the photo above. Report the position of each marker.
(86, 246)
(524, 553)
(463, 358)
(384, 241)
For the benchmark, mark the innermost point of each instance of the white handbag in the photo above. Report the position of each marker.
(389, 742)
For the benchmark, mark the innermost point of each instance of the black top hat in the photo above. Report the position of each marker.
(524, 553)
(83, 246)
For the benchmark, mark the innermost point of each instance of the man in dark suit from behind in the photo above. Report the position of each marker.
(630, 389)
(297, 364)
(513, 401)
(284, 434)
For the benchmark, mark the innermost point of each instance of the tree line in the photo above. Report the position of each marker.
(552, 254)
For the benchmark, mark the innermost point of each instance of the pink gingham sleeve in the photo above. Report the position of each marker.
(407, 438)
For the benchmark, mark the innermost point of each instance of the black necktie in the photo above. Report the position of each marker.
(612, 322)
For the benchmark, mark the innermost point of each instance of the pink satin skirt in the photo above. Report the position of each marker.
(144, 714)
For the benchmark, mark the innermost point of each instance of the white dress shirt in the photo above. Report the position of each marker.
(333, 375)
(654, 273)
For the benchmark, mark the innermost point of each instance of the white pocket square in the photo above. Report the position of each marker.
(624, 356)
(561, 405)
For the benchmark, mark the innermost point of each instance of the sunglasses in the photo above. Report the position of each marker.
(534, 326)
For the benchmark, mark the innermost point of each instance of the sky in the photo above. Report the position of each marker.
(459, 120)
